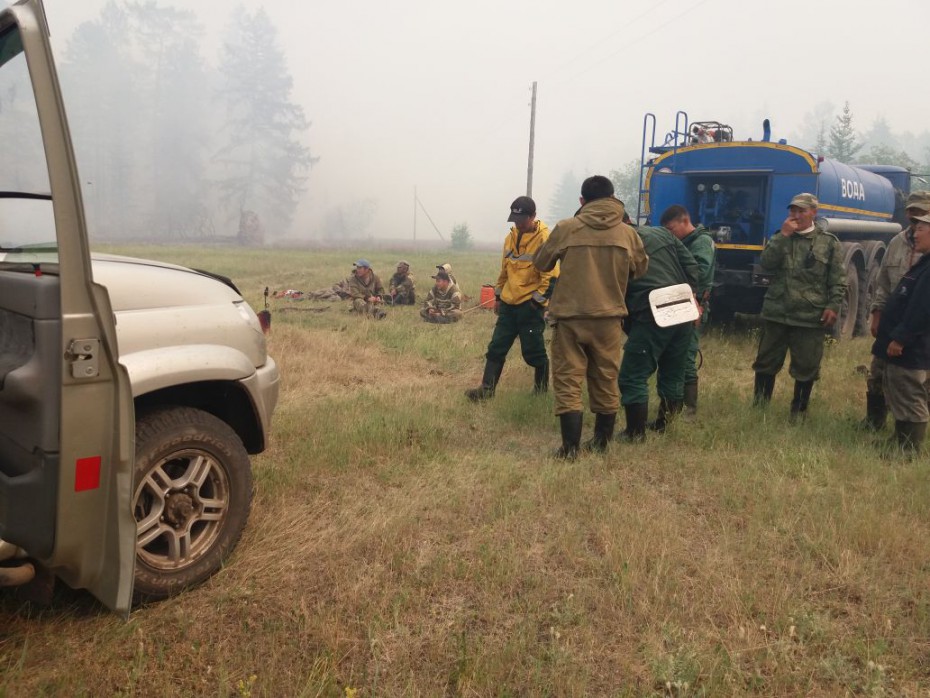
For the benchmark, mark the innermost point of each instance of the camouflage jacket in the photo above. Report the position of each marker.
(807, 277)
(899, 258)
(401, 284)
(358, 289)
(444, 301)
(701, 246)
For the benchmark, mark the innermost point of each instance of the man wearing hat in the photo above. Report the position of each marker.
(900, 256)
(443, 304)
(401, 285)
(365, 290)
(802, 302)
(521, 292)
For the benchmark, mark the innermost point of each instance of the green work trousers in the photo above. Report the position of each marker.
(804, 343)
(694, 346)
(524, 321)
(649, 349)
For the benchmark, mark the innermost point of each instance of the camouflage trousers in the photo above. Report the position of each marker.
(363, 307)
(449, 317)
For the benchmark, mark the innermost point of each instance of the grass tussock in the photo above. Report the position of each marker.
(406, 542)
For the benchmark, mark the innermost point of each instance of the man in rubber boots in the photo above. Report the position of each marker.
(802, 302)
(700, 244)
(652, 349)
(899, 257)
(598, 254)
(521, 302)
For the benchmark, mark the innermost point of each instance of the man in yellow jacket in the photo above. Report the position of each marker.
(522, 296)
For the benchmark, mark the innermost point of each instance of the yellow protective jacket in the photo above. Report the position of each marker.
(520, 281)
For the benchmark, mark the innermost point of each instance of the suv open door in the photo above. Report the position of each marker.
(66, 412)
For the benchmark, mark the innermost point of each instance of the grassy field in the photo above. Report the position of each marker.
(404, 542)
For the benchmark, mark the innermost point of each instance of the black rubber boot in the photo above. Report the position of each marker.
(668, 409)
(802, 396)
(691, 399)
(876, 412)
(764, 387)
(570, 424)
(636, 416)
(492, 374)
(603, 432)
(910, 437)
(541, 379)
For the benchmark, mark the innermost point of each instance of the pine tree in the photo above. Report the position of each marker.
(261, 156)
(843, 144)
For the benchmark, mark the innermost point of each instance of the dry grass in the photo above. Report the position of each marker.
(405, 542)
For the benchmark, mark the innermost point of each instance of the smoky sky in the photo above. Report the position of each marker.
(434, 96)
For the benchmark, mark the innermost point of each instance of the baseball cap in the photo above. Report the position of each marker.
(918, 199)
(441, 274)
(521, 206)
(925, 218)
(804, 201)
(362, 263)
(403, 263)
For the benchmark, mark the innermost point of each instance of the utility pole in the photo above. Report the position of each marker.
(529, 164)
(414, 214)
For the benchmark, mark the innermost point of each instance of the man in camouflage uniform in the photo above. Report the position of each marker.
(443, 303)
(401, 285)
(700, 244)
(598, 254)
(802, 301)
(899, 257)
(652, 349)
(365, 290)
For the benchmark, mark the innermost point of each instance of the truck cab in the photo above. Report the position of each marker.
(131, 392)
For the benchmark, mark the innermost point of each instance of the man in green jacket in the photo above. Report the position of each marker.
(365, 290)
(652, 349)
(700, 244)
(598, 254)
(802, 301)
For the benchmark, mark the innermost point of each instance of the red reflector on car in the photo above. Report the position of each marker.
(87, 474)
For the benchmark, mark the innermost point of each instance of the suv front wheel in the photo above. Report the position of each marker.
(193, 490)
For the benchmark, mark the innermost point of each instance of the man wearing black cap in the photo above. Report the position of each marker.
(521, 293)
(443, 304)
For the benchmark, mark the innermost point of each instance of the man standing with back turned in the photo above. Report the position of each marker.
(599, 254)
(521, 302)
(802, 301)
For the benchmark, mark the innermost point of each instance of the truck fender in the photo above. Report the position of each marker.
(154, 369)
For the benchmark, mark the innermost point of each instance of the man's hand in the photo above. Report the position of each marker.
(873, 322)
(828, 319)
(895, 349)
(789, 227)
(433, 311)
(374, 299)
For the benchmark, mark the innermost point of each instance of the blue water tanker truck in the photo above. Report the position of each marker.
(740, 191)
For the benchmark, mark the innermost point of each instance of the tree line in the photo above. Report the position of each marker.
(170, 145)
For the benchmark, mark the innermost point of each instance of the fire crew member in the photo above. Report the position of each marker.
(401, 286)
(365, 290)
(700, 244)
(802, 300)
(520, 302)
(650, 348)
(598, 254)
(903, 337)
(899, 257)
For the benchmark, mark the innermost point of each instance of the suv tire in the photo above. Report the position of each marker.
(191, 498)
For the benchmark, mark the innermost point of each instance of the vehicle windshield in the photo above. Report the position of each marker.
(27, 227)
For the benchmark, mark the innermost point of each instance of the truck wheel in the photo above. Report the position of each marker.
(193, 490)
(849, 309)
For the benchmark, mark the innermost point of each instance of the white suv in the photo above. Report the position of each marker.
(131, 392)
